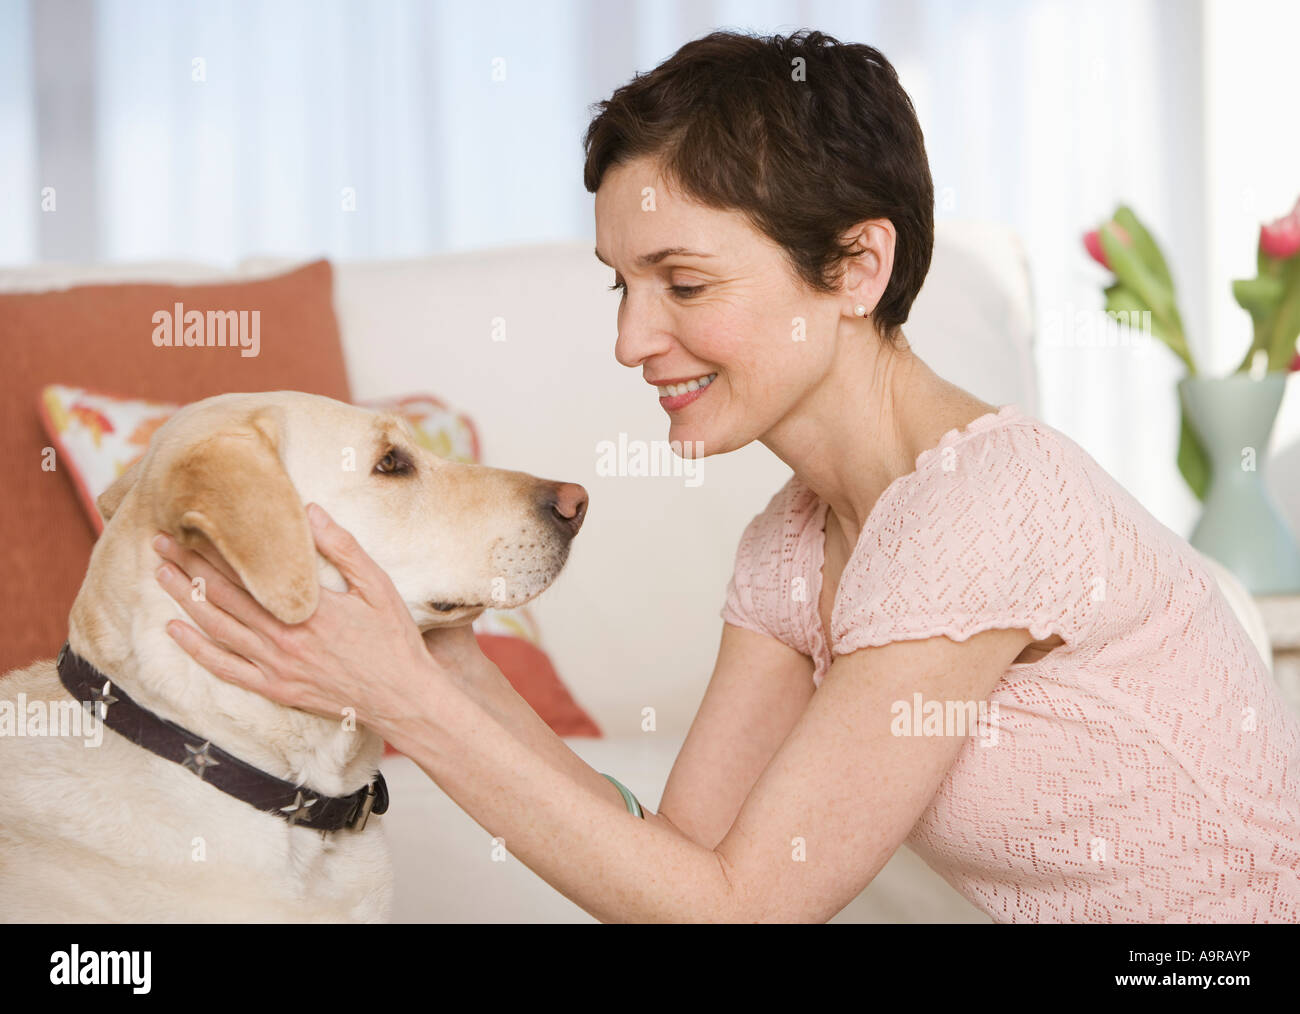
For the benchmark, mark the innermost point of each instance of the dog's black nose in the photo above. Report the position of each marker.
(565, 503)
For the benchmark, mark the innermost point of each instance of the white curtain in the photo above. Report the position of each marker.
(395, 128)
(1252, 157)
(19, 198)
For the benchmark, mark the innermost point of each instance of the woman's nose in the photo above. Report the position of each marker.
(623, 350)
(638, 336)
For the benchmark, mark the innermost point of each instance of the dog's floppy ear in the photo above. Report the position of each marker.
(111, 499)
(231, 488)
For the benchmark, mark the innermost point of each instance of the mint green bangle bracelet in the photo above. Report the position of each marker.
(633, 807)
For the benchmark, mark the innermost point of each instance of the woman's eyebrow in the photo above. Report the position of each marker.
(646, 260)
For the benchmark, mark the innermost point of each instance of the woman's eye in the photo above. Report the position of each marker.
(392, 463)
(681, 291)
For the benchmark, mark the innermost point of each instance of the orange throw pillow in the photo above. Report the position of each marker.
(102, 336)
(530, 672)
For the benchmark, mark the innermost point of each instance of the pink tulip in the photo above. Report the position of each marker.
(1295, 364)
(1281, 239)
(1092, 241)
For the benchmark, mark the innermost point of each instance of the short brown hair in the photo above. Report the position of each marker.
(805, 158)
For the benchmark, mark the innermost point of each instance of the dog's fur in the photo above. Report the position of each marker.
(115, 833)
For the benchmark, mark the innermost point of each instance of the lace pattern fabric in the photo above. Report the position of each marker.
(1145, 770)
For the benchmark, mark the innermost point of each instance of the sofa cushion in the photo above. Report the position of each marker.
(102, 336)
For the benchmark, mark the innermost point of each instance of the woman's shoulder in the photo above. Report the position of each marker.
(1009, 487)
(1002, 462)
(780, 523)
(770, 566)
(999, 523)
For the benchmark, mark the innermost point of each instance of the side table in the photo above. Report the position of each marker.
(1282, 621)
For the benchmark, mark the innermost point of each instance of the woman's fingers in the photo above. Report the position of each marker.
(216, 660)
(218, 624)
(339, 546)
(207, 551)
(221, 587)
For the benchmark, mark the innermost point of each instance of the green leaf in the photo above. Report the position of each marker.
(1120, 299)
(1130, 270)
(1258, 296)
(1193, 461)
(1145, 245)
(1270, 326)
(1284, 326)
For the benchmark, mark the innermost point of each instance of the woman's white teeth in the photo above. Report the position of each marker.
(672, 390)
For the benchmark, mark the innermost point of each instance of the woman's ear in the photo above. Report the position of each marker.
(868, 269)
(231, 489)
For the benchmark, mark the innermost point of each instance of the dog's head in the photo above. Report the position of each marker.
(236, 471)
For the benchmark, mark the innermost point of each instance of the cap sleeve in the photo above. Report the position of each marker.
(1002, 530)
(758, 594)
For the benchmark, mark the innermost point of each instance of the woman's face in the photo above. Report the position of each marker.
(726, 306)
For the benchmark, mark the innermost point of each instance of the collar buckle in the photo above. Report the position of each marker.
(375, 798)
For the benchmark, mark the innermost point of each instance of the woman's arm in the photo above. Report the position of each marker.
(555, 823)
(758, 690)
(829, 809)
(487, 687)
(571, 832)
(834, 803)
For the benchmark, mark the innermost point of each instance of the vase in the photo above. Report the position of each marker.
(1241, 525)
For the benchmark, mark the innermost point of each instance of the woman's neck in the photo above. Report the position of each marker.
(865, 425)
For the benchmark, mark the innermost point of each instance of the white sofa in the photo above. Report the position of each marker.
(633, 622)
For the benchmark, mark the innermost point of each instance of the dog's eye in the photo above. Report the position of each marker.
(395, 462)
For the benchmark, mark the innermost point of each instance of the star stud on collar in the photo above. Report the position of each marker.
(199, 760)
(100, 700)
(297, 810)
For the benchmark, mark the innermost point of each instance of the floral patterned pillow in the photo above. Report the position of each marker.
(98, 436)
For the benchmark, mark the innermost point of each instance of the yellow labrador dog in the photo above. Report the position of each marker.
(196, 800)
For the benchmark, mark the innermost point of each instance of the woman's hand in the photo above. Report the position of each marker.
(359, 650)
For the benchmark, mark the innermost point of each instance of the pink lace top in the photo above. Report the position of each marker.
(1145, 770)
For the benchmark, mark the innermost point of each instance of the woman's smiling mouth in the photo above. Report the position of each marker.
(677, 395)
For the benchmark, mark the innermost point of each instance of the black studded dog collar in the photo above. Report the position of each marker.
(300, 806)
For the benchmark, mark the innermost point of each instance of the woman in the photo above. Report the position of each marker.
(767, 207)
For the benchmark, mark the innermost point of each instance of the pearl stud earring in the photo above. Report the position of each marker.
(860, 310)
